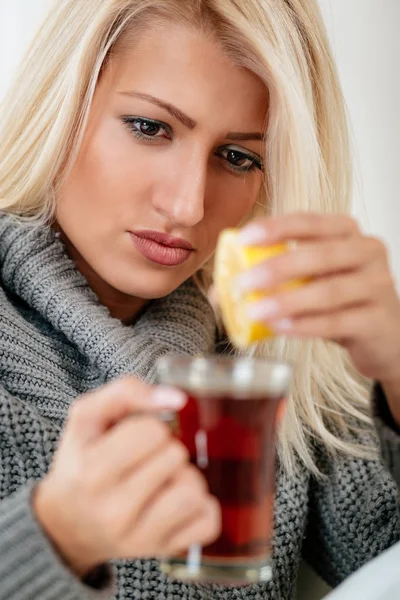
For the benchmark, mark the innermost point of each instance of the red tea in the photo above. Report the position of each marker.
(232, 441)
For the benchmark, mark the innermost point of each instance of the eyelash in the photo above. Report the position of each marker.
(131, 122)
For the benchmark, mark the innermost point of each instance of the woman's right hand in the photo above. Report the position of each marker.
(120, 485)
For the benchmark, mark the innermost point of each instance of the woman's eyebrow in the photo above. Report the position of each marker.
(241, 137)
(173, 110)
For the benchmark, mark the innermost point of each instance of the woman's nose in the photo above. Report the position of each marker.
(181, 196)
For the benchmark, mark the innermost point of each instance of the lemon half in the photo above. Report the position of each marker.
(232, 259)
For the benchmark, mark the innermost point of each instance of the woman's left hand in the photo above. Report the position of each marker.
(350, 296)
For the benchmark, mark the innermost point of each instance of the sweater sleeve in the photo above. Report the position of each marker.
(354, 515)
(29, 565)
(388, 431)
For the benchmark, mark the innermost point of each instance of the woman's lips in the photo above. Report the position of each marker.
(159, 253)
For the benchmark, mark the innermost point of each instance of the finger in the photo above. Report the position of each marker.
(148, 479)
(326, 295)
(125, 447)
(95, 413)
(357, 323)
(311, 261)
(183, 500)
(202, 531)
(297, 226)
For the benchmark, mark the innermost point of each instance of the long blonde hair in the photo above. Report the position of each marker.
(307, 166)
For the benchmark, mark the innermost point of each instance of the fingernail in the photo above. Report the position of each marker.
(283, 325)
(263, 310)
(252, 280)
(165, 396)
(253, 234)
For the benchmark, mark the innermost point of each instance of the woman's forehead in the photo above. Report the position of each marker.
(188, 67)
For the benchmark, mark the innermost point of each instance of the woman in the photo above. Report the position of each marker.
(135, 132)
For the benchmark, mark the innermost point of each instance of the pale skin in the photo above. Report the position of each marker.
(197, 171)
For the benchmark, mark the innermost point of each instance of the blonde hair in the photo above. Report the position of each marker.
(307, 166)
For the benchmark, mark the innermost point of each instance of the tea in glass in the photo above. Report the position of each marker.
(229, 426)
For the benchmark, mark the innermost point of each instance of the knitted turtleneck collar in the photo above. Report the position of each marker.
(35, 267)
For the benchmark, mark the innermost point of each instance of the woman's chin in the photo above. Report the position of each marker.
(148, 288)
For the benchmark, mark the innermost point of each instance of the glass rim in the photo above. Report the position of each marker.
(215, 374)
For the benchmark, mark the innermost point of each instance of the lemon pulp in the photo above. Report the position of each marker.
(232, 259)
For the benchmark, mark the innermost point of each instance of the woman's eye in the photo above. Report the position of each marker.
(239, 161)
(147, 128)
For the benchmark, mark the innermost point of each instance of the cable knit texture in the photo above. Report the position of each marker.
(57, 342)
(388, 432)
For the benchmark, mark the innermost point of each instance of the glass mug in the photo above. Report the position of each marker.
(229, 426)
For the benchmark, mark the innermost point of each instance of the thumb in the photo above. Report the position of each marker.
(96, 412)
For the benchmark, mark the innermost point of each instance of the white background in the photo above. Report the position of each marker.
(366, 42)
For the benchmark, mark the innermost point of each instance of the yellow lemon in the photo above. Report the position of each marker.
(232, 259)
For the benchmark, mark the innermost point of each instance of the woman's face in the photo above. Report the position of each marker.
(172, 155)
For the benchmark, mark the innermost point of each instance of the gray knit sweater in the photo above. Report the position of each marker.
(56, 342)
